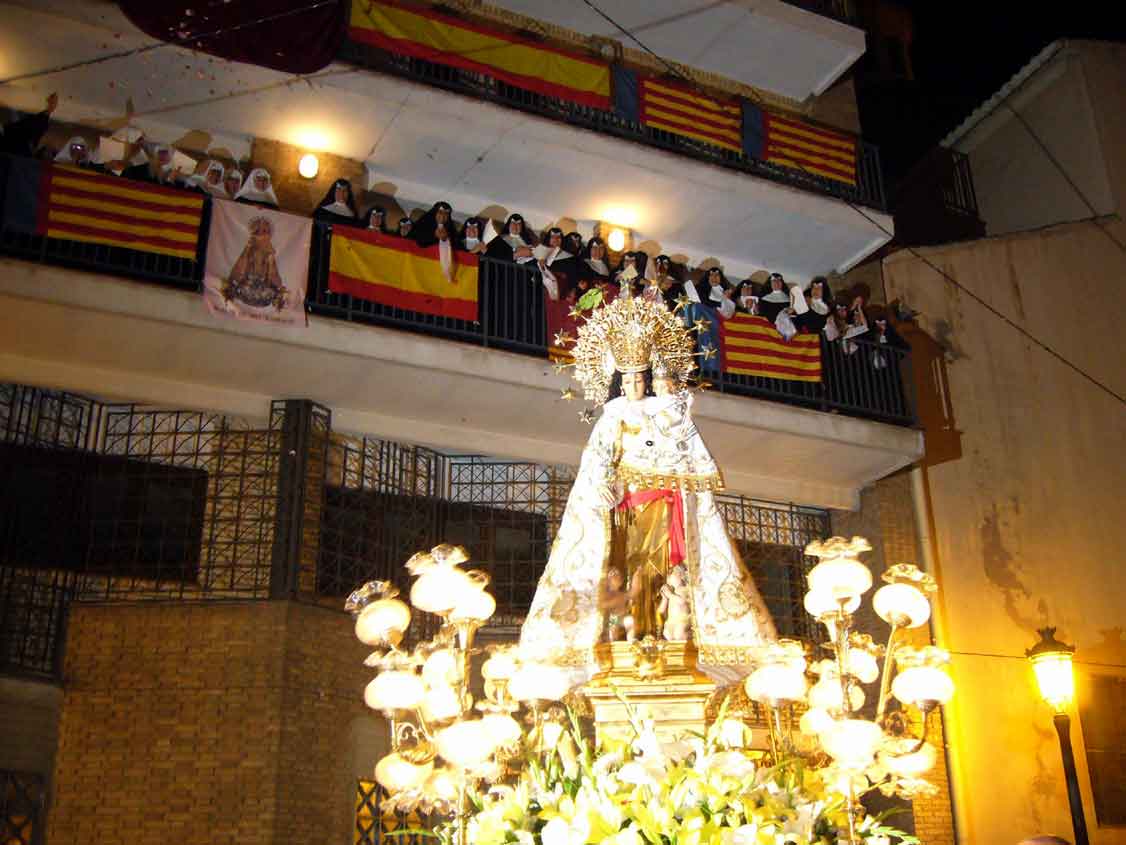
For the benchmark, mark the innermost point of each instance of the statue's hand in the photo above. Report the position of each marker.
(608, 497)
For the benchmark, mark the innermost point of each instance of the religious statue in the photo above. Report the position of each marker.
(641, 537)
(616, 604)
(676, 605)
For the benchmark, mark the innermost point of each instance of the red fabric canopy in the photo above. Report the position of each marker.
(295, 36)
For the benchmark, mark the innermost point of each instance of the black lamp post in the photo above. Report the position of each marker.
(1051, 661)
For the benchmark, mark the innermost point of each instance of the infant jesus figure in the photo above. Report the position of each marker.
(615, 602)
(674, 607)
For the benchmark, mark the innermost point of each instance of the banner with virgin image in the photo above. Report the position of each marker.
(257, 263)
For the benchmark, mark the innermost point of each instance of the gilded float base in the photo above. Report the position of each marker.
(658, 680)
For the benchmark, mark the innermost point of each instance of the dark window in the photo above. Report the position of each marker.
(104, 514)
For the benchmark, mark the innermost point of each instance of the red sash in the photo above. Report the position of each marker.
(676, 516)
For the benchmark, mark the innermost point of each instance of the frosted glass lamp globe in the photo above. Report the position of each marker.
(441, 667)
(502, 728)
(913, 765)
(473, 605)
(383, 622)
(819, 604)
(465, 744)
(852, 743)
(394, 689)
(397, 774)
(904, 605)
(922, 686)
(840, 577)
(441, 703)
(500, 666)
(437, 590)
(776, 683)
(862, 665)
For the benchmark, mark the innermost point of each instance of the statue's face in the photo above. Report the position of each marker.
(663, 386)
(633, 386)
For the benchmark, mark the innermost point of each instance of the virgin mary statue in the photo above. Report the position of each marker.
(641, 544)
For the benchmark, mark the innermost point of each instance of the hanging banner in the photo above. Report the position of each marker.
(682, 111)
(424, 33)
(398, 272)
(798, 145)
(75, 204)
(257, 263)
(751, 346)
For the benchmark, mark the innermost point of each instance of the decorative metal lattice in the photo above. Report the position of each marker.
(122, 501)
(21, 808)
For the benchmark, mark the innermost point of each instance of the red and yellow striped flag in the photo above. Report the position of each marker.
(686, 112)
(426, 34)
(397, 272)
(81, 205)
(808, 147)
(751, 346)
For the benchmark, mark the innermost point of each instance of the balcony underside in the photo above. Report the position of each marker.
(425, 144)
(765, 43)
(121, 340)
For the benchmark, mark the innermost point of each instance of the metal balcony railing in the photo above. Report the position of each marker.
(868, 191)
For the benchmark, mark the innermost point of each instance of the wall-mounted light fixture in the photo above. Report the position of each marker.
(308, 166)
(616, 240)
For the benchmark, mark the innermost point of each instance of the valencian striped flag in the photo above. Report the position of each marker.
(802, 146)
(751, 346)
(397, 272)
(424, 33)
(677, 109)
(82, 205)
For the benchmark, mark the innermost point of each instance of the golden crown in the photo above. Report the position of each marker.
(630, 335)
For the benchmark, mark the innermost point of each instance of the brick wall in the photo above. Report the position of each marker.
(886, 517)
(208, 723)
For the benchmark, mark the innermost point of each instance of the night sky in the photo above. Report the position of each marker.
(963, 52)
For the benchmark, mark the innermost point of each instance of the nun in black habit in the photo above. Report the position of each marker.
(632, 270)
(820, 301)
(775, 297)
(469, 238)
(557, 264)
(434, 226)
(717, 291)
(514, 243)
(338, 206)
(593, 271)
(747, 297)
(375, 218)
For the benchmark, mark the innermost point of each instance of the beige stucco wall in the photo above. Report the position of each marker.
(1028, 522)
(1018, 185)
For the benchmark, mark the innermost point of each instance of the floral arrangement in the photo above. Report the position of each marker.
(700, 791)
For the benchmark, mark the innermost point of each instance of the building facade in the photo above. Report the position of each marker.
(190, 498)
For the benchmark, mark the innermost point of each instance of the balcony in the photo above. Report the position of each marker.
(427, 132)
(449, 383)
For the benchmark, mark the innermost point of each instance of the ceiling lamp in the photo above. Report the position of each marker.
(308, 166)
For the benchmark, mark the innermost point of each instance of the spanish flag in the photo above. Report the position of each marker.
(397, 272)
(751, 346)
(82, 205)
(424, 33)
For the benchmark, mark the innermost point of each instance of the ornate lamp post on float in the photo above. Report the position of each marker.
(1055, 678)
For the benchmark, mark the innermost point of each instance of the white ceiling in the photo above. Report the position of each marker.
(768, 44)
(427, 144)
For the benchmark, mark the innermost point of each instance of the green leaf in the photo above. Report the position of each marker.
(591, 299)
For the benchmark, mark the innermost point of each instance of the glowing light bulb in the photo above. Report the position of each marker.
(308, 166)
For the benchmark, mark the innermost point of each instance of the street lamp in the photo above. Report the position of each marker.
(1051, 661)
